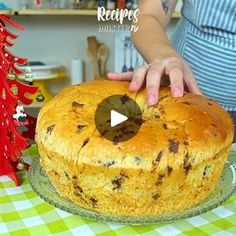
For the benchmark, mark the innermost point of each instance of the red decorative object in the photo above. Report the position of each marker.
(30, 132)
(12, 142)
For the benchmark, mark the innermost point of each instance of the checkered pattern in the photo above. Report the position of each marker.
(22, 212)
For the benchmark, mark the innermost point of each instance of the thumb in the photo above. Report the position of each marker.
(120, 76)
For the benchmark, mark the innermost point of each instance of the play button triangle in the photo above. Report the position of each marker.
(117, 118)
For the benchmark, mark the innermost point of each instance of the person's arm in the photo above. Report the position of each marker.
(150, 39)
(162, 59)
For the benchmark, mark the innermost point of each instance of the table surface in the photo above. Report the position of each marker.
(22, 212)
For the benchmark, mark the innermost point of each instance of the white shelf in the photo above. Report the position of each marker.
(63, 12)
(59, 12)
(6, 12)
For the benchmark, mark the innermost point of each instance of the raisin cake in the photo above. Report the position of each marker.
(171, 164)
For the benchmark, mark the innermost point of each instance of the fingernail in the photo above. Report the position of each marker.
(177, 92)
(133, 85)
(110, 75)
(151, 100)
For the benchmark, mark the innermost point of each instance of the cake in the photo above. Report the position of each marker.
(172, 163)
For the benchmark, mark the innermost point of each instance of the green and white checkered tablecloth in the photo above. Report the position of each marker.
(23, 213)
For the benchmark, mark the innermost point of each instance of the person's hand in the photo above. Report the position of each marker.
(174, 66)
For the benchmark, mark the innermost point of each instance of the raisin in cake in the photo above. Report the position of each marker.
(173, 163)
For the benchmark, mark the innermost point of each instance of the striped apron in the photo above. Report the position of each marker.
(206, 38)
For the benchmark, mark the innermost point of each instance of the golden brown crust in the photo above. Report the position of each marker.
(178, 140)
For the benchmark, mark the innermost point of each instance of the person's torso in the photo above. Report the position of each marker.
(211, 15)
(206, 38)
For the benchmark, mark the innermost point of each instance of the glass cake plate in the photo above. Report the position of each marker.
(43, 187)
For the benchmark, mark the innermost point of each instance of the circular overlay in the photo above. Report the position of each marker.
(118, 118)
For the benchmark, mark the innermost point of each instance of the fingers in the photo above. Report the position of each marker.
(139, 76)
(176, 75)
(120, 76)
(179, 73)
(190, 81)
(153, 80)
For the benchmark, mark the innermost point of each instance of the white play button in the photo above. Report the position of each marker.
(117, 118)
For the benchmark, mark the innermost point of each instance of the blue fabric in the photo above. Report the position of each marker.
(206, 38)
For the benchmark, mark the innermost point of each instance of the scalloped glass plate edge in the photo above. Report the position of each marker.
(220, 195)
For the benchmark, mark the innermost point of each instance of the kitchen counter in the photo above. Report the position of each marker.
(22, 212)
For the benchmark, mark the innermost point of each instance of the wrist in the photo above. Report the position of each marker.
(166, 53)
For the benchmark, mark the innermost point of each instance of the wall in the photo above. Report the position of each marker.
(58, 39)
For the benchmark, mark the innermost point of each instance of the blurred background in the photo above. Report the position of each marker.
(57, 39)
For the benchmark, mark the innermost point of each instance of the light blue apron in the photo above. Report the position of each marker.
(206, 38)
